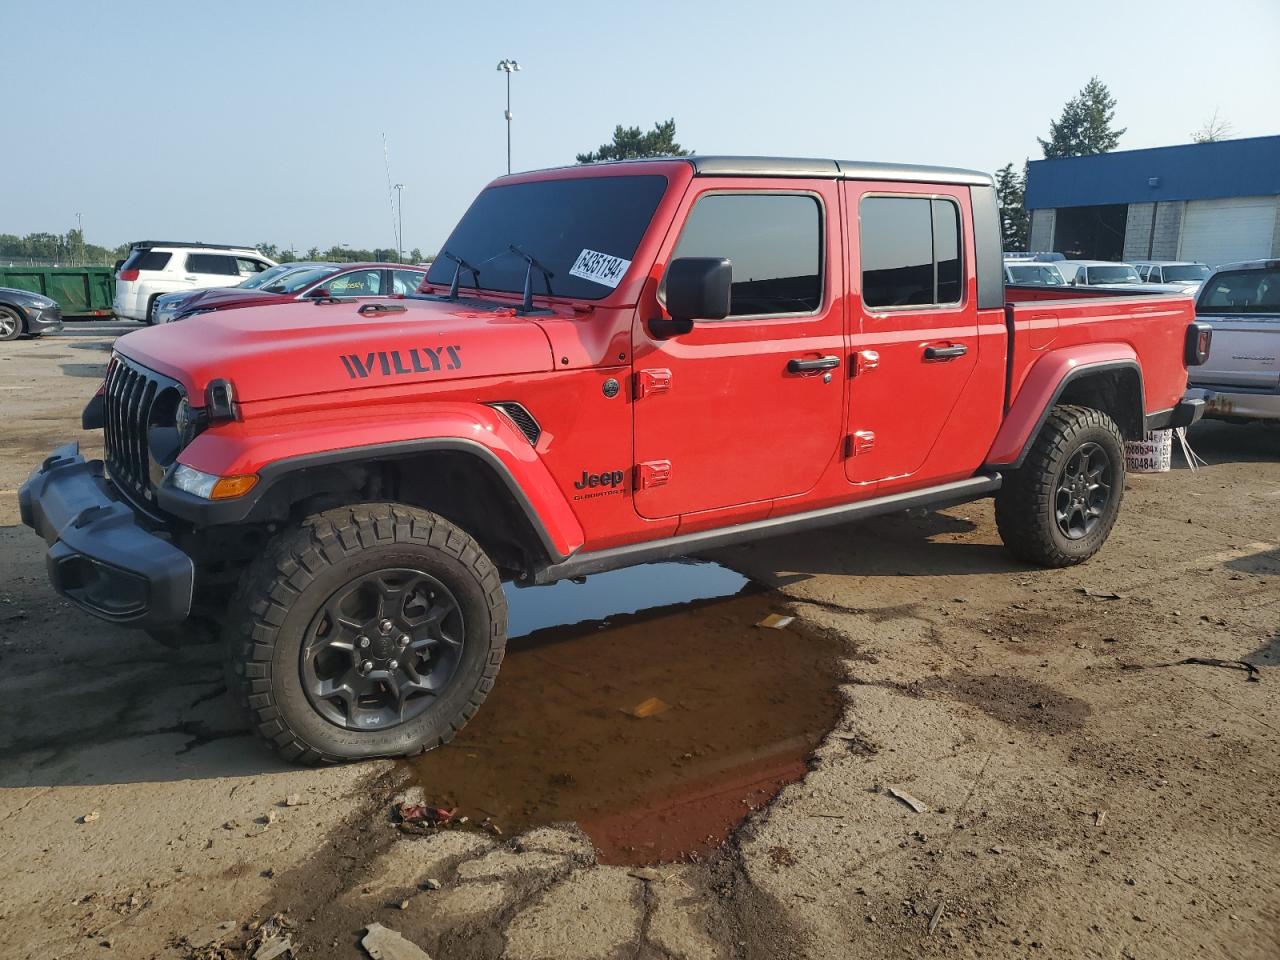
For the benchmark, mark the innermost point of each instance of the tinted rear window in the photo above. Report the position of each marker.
(556, 222)
(1241, 291)
(146, 260)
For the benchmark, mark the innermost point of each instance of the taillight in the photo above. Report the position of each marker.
(1199, 340)
(127, 275)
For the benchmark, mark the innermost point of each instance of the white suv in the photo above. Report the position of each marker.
(154, 267)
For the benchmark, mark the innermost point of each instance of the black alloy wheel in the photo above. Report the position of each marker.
(1084, 489)
(382, 648)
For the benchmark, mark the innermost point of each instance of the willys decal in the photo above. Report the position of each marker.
(395, 363)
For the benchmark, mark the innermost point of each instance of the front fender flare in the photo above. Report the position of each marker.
(1044, 384)
(474, 429)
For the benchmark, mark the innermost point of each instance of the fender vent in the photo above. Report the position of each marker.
(522, 418)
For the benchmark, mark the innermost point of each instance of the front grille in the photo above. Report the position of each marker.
(131, 390)
(523, 419)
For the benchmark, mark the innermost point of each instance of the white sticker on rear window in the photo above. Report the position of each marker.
(599, 268)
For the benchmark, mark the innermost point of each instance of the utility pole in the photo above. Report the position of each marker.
(400, 219)
(80, 231)
(508, 67)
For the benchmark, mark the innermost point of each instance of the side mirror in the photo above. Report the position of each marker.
(698, 288)
(319, 293)
(274, 288)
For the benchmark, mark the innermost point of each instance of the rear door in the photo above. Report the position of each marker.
(722, 416)
(204, 270)
(914, 342)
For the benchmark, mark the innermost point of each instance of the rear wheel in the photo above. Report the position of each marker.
(1058, 508)
(367, 631)
(10, 324)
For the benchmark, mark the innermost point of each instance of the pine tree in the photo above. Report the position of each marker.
(1010, 193)
(631, 142)
(1085, 127)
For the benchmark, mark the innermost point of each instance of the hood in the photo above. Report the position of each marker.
(301, 348)
(218, 297)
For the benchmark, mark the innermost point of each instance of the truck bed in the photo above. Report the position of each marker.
(1044, 319)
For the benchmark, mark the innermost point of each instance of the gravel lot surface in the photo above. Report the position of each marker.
(1083, 792)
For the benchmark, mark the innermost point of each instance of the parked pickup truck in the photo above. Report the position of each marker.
(1241, 301)
(606, 365)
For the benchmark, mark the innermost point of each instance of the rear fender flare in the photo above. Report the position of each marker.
(1044, 386)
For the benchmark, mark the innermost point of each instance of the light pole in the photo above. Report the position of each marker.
(400, 227)
(508, 67)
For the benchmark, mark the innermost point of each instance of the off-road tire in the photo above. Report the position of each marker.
(1025, 503)
(300, 568)
(13, 326)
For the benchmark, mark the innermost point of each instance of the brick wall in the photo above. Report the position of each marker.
(1041, 235)
(1167, 230)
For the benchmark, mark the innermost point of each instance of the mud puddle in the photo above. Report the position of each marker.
(658, 731)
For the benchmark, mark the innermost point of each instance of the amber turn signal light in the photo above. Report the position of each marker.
(228, 487)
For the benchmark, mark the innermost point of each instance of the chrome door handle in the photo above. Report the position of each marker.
(796, 365)
(945, 353)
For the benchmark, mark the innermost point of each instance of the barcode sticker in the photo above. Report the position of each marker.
(599, 268)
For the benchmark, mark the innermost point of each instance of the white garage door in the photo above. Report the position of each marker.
(1220, 231)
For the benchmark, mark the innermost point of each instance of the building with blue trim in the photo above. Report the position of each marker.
(1212, 202)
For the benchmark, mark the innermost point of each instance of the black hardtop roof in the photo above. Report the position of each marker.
(732, 166)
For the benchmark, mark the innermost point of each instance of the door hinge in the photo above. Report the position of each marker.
(651, 382)
(864, 361)
(859, 442)
(652, 473)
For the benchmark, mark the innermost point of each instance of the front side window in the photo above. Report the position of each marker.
(247, 267)
(774, 242)
(406, 281)
(911, 252)
(358, 283)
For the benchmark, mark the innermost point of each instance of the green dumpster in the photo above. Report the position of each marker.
(80, 291)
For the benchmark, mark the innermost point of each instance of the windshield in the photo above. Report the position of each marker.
(1193, 272)
(1241, 291)
(267, 276)
(299, 279)
(1046, 276)
(584, 231)
(1117, 274)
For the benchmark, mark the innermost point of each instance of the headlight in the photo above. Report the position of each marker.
(207, 486)
(40, 303)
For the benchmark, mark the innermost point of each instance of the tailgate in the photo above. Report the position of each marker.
(1244, 353)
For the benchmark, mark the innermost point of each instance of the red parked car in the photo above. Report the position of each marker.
(302, 281)
(609, 364)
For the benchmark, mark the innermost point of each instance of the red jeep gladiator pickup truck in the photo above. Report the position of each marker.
(606, 365)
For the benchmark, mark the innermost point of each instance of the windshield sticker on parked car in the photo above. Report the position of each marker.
(599, 268)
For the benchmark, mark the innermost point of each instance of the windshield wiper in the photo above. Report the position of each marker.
(527, 307)
(457, 271)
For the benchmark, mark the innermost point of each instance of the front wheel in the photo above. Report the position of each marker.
(1058, 508)
(374, 630)
(10, 324)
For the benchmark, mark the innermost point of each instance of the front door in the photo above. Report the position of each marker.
(748, 408)
(914, 339)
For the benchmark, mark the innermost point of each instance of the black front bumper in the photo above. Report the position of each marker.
(100, 556)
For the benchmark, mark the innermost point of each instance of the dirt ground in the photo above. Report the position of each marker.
(1082, 791)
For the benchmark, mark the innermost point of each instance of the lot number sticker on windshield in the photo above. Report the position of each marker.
(599, 268)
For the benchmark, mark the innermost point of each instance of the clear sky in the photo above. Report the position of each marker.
(252, 122)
